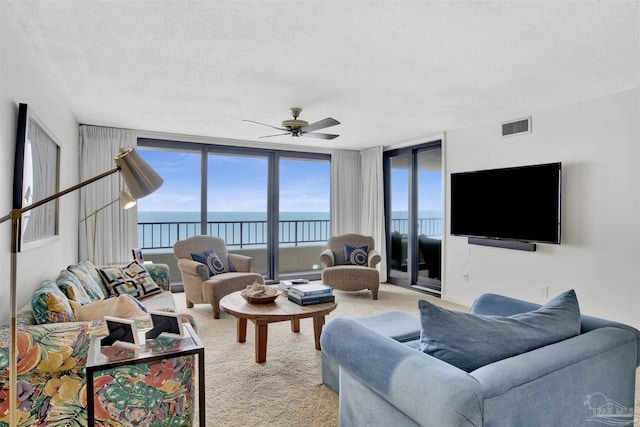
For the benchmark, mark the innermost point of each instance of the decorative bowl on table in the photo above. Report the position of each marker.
(258, 293)
(262, 299)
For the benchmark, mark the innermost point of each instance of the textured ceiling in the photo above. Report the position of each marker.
(390, 71)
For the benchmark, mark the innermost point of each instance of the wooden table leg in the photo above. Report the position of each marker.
(242, 330)
(318, 323)
(261, 341)
(295, 325)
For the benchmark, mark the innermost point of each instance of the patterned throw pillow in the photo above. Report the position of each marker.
(133, 279)
(93, 271)
(50, 305)
(356, 255)
(84, 273)
(211, 260)
(72, 288)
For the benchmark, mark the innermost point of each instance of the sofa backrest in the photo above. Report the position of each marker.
(500, 305)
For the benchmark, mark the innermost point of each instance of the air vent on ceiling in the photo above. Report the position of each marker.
(516, 127)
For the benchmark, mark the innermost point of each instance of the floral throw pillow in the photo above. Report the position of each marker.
(72, 288)
(356, 255)
(93, 288)
(133, 279)
(211, 260)
(50, 305)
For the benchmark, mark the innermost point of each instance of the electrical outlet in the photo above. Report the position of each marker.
(544, 292)
(465, 277)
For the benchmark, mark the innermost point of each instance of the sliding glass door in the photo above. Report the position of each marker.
(413, 199)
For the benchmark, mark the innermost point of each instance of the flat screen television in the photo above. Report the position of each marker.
(515, 204)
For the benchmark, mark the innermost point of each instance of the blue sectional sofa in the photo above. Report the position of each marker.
(586, 379)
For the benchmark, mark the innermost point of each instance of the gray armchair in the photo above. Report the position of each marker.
(199, 286)
(349, 277)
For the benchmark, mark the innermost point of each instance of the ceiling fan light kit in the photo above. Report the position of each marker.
(297, 128)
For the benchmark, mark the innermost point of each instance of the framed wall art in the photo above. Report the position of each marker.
(36, 176)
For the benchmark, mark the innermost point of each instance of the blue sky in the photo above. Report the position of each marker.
(236, 183)
(429, 190)
(239, 184)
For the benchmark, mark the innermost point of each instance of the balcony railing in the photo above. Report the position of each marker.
(242, 234)
(237, 234)
(430, 227)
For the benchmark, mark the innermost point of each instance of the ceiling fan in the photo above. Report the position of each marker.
(297, 128)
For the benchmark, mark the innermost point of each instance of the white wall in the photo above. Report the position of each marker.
(24, 79)
(598, 142)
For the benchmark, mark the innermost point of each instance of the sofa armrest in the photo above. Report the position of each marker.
(194, 268)
(373, 259)
(53, 347)
(328, 258)
(571, 371)
(241, 263)
(499, 377)
(403, 377)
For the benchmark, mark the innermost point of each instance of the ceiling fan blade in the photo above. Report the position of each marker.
(264, 124)
(320, 135)
(324, 123)
(277, 134)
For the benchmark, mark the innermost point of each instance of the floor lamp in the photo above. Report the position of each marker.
(126, 200)
(141, 180)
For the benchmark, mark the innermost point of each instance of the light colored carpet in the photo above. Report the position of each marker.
(287, 390)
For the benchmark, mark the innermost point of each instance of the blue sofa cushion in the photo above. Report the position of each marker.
(470, 341)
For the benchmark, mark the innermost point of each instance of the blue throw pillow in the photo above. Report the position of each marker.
(356, 255)
(211, 260)
(470, 341)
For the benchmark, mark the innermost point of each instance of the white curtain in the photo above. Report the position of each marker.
(346, 191)
(372, 202)
(116, 231)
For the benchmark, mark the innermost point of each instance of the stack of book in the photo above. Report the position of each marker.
(284, 285)
(310, 293)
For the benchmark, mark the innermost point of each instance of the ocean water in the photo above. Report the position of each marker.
(240, 229)
(225, 216)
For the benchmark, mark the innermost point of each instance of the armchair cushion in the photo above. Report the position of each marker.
(356, 255)
(50, 305)
(470, 341)
(211, 260)
(133, 279)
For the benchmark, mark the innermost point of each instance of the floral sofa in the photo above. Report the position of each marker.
(52, 347)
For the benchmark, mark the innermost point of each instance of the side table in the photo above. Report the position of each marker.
(162, 348)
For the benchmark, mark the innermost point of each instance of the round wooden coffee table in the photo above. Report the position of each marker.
(278, 311)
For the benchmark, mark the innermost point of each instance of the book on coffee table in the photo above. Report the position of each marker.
(310, 289)
(311, 299)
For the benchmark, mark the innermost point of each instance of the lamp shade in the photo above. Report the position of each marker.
(126, 200)
(141, 179)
